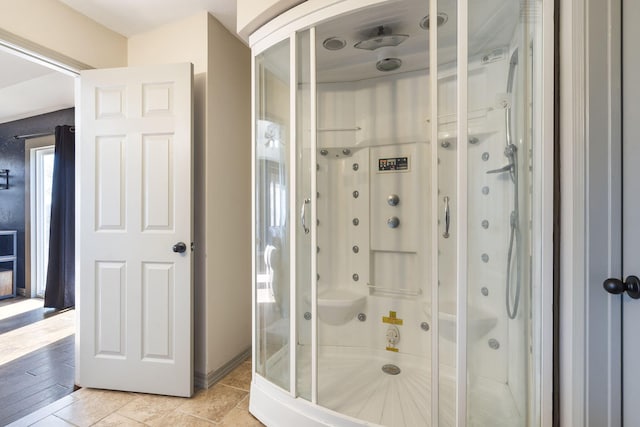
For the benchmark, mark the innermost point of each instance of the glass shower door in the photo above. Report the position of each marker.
(305, 203)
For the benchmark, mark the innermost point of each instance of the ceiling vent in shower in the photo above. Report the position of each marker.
(441, 19)
(381, 37)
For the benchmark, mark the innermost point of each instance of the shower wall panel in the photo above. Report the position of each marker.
(392, 112)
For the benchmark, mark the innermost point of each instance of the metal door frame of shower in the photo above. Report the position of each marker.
(306, 16)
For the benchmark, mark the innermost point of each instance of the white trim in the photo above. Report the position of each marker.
(572, 222)
(29, 235)
(254, 352)
(275, 407)
(38, 274)
(461, 218)
(435, 227)
(33, 52)
(615, 256)
(293, 224)
(78, 205)
(314, 216)
(545, 234)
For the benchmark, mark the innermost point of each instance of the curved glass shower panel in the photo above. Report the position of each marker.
(499, 236)
(374, 215)
(398, 215)
(271, 240)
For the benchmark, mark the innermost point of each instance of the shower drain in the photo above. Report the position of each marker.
(391, 369)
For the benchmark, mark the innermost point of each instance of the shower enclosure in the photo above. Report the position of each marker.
(402, 238)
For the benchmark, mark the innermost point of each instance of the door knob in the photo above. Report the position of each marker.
(179, 247)
(617, 286)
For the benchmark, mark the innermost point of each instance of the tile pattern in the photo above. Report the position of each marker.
(225, 404)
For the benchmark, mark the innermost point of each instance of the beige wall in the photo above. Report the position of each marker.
(181, 41)
(57, 31)
(252, 14)
(228, 185)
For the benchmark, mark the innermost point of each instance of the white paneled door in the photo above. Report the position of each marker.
(134, 186)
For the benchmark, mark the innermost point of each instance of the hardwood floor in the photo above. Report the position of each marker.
(36, 357)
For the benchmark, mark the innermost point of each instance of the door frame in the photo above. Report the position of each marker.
(589, 132)
(48, 58)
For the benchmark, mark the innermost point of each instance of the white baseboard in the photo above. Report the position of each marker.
(205, 381)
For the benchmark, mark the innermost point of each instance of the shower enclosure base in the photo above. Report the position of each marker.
(356, 392)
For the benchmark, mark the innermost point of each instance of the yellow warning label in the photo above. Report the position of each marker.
(392, 349)
(392, 319)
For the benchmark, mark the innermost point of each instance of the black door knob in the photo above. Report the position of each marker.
(179, 247)
(617, 286)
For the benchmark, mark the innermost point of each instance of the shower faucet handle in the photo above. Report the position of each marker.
(616, 286)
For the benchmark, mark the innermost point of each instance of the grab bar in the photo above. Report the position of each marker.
(447, 217)
(357, 128)
(395, 291)
(303, 212)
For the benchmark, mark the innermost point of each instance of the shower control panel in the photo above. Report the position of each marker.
(394, 164)
(396, 172)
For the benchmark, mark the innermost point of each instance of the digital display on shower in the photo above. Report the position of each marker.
(393, 164)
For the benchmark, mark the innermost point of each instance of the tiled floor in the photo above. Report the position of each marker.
(224, 404)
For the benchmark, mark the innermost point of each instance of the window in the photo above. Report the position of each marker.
(41, 187)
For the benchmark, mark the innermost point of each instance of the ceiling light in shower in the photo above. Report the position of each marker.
(442, 19)
(334, 43)
(388, 64)
(382, 37)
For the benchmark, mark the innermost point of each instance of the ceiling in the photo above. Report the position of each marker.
(130, 17)
(28, 89)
